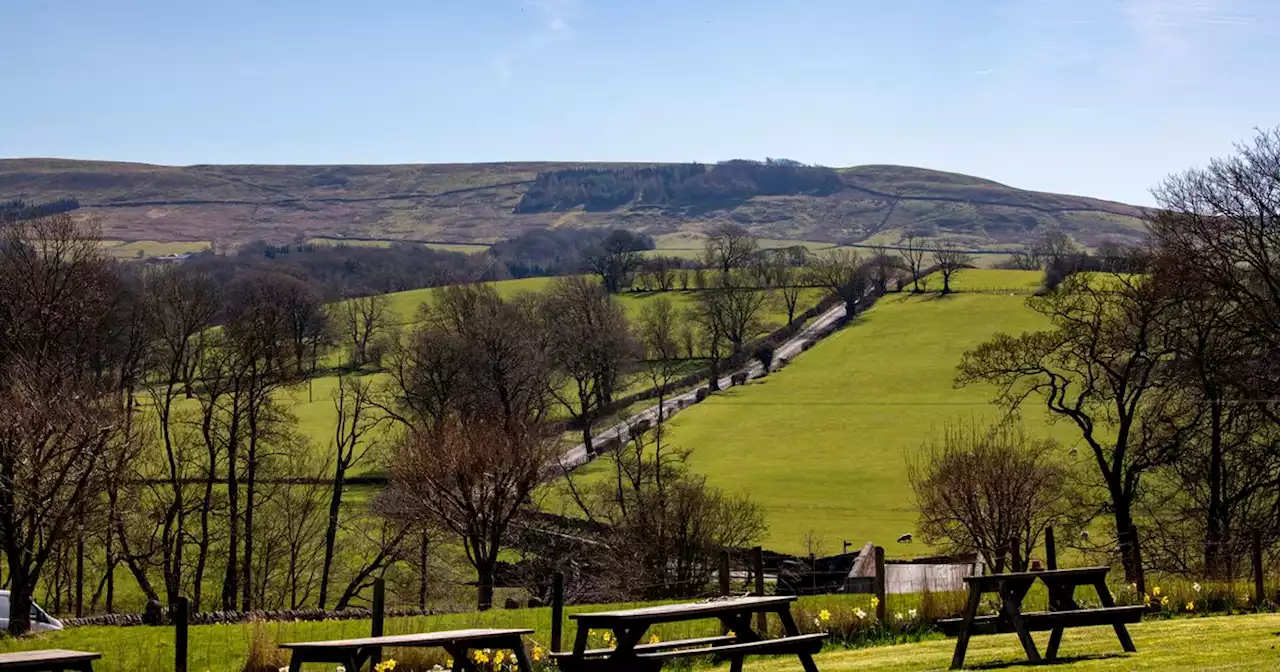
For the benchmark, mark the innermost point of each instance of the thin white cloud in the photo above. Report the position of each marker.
(553, 24)
(1181, 31)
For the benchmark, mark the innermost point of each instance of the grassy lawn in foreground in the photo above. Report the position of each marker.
(1215, 643)
(1242, 642)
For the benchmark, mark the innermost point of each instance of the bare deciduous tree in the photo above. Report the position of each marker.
(665, 526)
(471, 478)
(365, 319)
(883, 267)
(950, 260)
(914, 251)
(589, 344)
(729, 246)
(357, 418)
(990, 491)
(60, 388)
(844, 275)
(658, 334)
(615, 259)
(1100, 368)
(1220, 225)
(789, 289)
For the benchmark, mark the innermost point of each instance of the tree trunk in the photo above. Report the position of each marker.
(586, 436)
(250, 490)
(19, 595)
(1128, 537)
(1215, 552)
(331, 530)
(230, 581)
(422, 572)
(485, 571)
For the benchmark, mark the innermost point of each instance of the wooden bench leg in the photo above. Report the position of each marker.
(962, 641)
(735, 664)
(790, 628)
(295, 662)
(1014, 615)
(1122, 633)
(1055, 640)
(461, 663)
(522, 658)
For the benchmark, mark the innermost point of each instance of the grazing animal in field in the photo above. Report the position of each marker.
(1085, 535)
(905, 539)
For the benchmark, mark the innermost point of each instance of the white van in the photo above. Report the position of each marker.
(40, 621)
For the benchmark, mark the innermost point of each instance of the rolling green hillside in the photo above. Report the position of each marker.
(822, 444)
(477, 203)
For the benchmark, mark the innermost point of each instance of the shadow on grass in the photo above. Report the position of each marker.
(1060, 660)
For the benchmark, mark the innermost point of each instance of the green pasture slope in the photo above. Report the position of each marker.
(822, 444)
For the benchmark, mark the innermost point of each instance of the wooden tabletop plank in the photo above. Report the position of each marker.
(419, 639)
(47, 656)
(684, 611)
(1047, 574)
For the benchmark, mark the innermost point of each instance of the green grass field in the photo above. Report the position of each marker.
(1216, 643)
(145, 249)
(822, 444)
(1240, 642)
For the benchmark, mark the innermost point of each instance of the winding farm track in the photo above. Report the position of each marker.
(577, 455)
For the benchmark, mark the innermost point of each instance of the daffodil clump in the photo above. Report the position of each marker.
(857, 625)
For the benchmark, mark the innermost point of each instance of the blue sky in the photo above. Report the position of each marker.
(1096, 97)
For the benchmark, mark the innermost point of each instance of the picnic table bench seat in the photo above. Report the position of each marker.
(795, 644)
(655, 646)
(354, 653)
(48, 660)
(1041, 621)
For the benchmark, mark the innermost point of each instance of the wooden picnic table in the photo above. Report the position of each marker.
(1064, 612)
(353, 653)
(629, 626)
(49, 660)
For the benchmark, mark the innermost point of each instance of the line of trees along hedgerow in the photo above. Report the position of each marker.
(690, 184)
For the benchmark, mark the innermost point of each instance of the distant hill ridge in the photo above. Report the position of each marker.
(490, 201)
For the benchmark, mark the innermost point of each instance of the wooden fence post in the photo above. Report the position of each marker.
(181, 618)
(880, 585)
(757, 568)
(379, 614)
(80, 574)
(557, 610)
(724, 573)
(1050, 549)
(1259, 590)
(724, 584)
